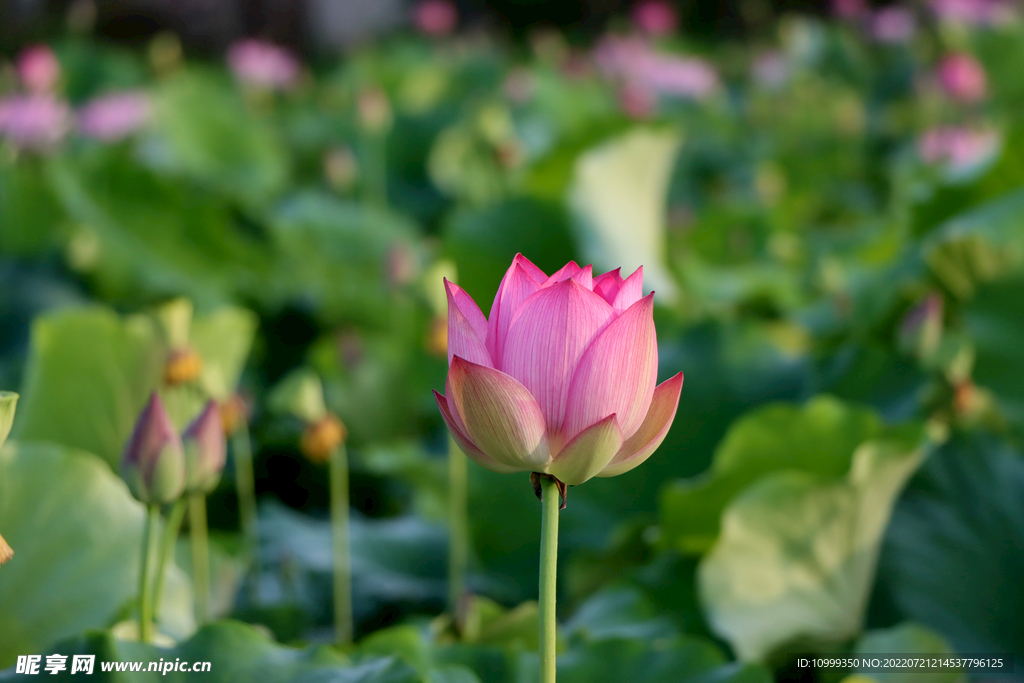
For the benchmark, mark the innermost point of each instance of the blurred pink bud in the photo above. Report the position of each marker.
(38, 69)
(849, 9)
(153, 464)
(637, 102)
(634, 61)
(115, 116)
(655, 17)
(205, 447)
(770, 69)
(561, 379)
(36, 122)
(920, 330)
(435, 18)
(957, 147)
(973, 12)
(894, 25)
(262, 64)
(962, 77)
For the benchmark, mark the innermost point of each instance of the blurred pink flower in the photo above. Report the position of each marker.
(634, 61)
(435, 18)
(561, 378)
(849, 9)
(37, 121)
(115, 116)
(957, 147)
(262, 64)
(655, 17)
(637, 101)
(973, 12)
(770, 69)
(962, 77)
(893, 25)
(38, 69)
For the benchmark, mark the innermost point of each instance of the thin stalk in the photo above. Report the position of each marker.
(339, 531)
(245, 482)
(548, 577)
(148, 550)
(458, 528)
(200, 555)
(167, 552)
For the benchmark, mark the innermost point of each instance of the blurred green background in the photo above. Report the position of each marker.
(830, 208)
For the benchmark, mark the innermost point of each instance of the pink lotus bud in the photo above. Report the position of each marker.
(962, 77)
(655, 17)
(205, 450)
(153, 464)
(957, 147)
(114, 117)
(561, 378)
(634, 61)
(263, 65)
(38, 69)
(849, 9)
(973, 12)
(435, 18)
(921, 329)
(894, 25)
(35, 122)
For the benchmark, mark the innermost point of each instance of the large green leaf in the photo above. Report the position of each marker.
(954, 552)
(89, 374)
(819, 437)
(796, 558)
(619, 197)
(995, 322)
(76, 533)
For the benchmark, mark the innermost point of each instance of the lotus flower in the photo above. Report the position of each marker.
(36, 122)
(655, 17)
(436, 18)
(115, 116)
(962, 77)
(153, 465)
(205, 449)
(561, 379)
(263, 65)
(38, 69)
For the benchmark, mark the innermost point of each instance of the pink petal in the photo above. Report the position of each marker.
(517, 285)
(467, 327)
(531, 270)
(583, 276)
(652, 432)
(546, 340)
(588, 453)
(463, 442)
(608, 285)
(500, 415)
(617, 373)
(631, 291)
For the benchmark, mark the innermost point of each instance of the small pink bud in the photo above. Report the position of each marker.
(962, 77)
(849, 9)
(38, 69)
(436, 18)
(153, 464)
(655, 17)
(205, 449)
(263, 65)
(894, 25)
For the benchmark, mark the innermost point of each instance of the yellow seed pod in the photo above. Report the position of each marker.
(5, 551)
(232, 413)
(321, 438)
(183, 365)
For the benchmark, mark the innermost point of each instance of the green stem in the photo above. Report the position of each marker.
(200, 555)
(167, 552)
(458, 528)
(548, 577)
(148, 550)
(339, 530)
(245, 482)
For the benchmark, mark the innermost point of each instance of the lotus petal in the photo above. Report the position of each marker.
(464, 443)
(652, 432)
(467, 327)
(588, 453)
(521, 280)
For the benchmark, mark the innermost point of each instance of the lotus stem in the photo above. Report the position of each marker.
(458, 529)
(149, 536)
(548, 577)
(339, 532)
(245, 483)
(167, 552)
(200, 555)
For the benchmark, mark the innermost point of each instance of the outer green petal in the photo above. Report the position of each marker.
(463, 442)
(588, 453)
(652, 432)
